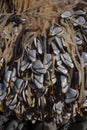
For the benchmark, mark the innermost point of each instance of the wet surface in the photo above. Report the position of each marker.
(79, 126)
(8, 123)
(13, 125)
(75, 126)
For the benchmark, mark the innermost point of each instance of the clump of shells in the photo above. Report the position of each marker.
(43, 63)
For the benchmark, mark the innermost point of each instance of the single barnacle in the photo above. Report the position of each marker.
(66, 14)
(64, 84)
(71, 95)
(55, 30)
(1, 62)
(38, 45)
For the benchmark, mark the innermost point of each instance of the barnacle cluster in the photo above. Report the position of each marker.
(43, 60)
